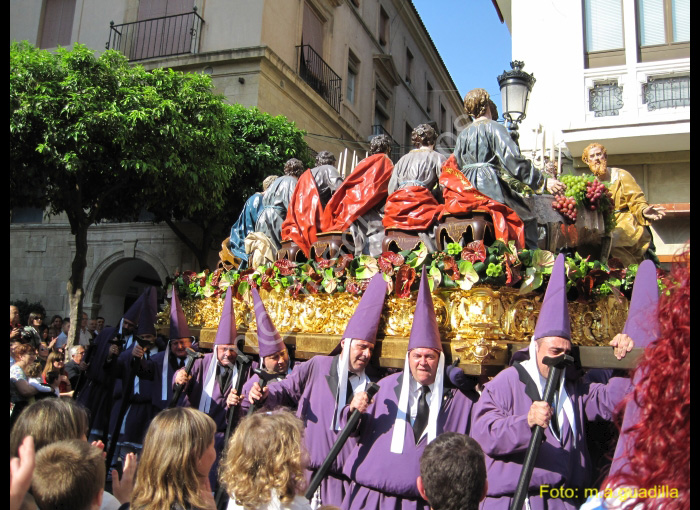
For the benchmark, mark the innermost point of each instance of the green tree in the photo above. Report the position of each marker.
(98, 139)
(260, 145)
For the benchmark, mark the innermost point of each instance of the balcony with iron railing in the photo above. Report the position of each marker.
(157, 37)
(319, 76)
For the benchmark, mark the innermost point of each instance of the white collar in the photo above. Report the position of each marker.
(564, 403)
(341, 392)
(401, 421)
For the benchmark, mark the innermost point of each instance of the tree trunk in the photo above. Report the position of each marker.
(79, 228)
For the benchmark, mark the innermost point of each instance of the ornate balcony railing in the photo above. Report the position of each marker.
(319, 76)
(666, 92)
(157, 37)
(605, 99)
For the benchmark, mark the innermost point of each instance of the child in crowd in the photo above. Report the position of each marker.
(263, 468)
(35, 380)
(81, 470)
(177, 454)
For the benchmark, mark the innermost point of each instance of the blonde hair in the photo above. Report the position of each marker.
(167, 474)
(264, 454)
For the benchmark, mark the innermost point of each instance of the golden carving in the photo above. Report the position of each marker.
(476, 325)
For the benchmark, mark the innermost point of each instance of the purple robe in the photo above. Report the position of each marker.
(311, 388)
(245, 403)
(140, 411)
(97, 392)
(155, 367)
(500, 427)
(385, 480)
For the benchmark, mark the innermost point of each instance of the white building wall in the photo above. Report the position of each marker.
(654, 145)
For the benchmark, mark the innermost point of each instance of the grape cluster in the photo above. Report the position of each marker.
(576, 186)
(594, 191)
(566, 207)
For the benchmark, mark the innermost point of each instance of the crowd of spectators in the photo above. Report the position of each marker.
(264, 463)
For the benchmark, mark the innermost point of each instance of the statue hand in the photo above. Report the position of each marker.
(654, 212)
(555, 187)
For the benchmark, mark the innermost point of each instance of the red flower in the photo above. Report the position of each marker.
(294, 289)
(474, 251)
(451, 268)
(354, 286)
(188, 276)
(216, 277)
(513, 275)
(405, 277)
(342, 264)
(312, 287)
(286, 267)
(388, 260)
(614, 263)
(325, 263)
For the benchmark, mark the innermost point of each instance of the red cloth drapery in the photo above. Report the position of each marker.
(461, 197)
(411, 208)
(303, 214)
(363, 189)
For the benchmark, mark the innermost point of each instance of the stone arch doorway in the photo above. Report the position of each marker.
(117, 282)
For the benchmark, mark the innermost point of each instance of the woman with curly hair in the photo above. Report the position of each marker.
(177, 454)
(653, 471)
(263, 468)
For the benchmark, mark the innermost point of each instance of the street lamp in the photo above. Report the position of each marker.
(516, 86)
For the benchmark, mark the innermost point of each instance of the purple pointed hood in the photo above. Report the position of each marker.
(269, 339)
(642, 324)
(226, 334)
(178, 321)
(424, 332)
(134, 311)
(554, 313)
(364, 322)
(147, 319)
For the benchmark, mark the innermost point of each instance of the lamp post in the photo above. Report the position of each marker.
(515, 86)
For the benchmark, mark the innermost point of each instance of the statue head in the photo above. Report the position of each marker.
(269, 180)
(294, 167)
(494, 110)
(380, 144)
(596, 157)
(325, 158)
(423, 135)
(476, 103)
(584, 156)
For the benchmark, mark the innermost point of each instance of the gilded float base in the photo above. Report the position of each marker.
(476, 326)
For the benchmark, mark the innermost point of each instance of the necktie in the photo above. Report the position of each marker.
(555, 421)
(421, 420)
(223, 377)
(349, 393)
